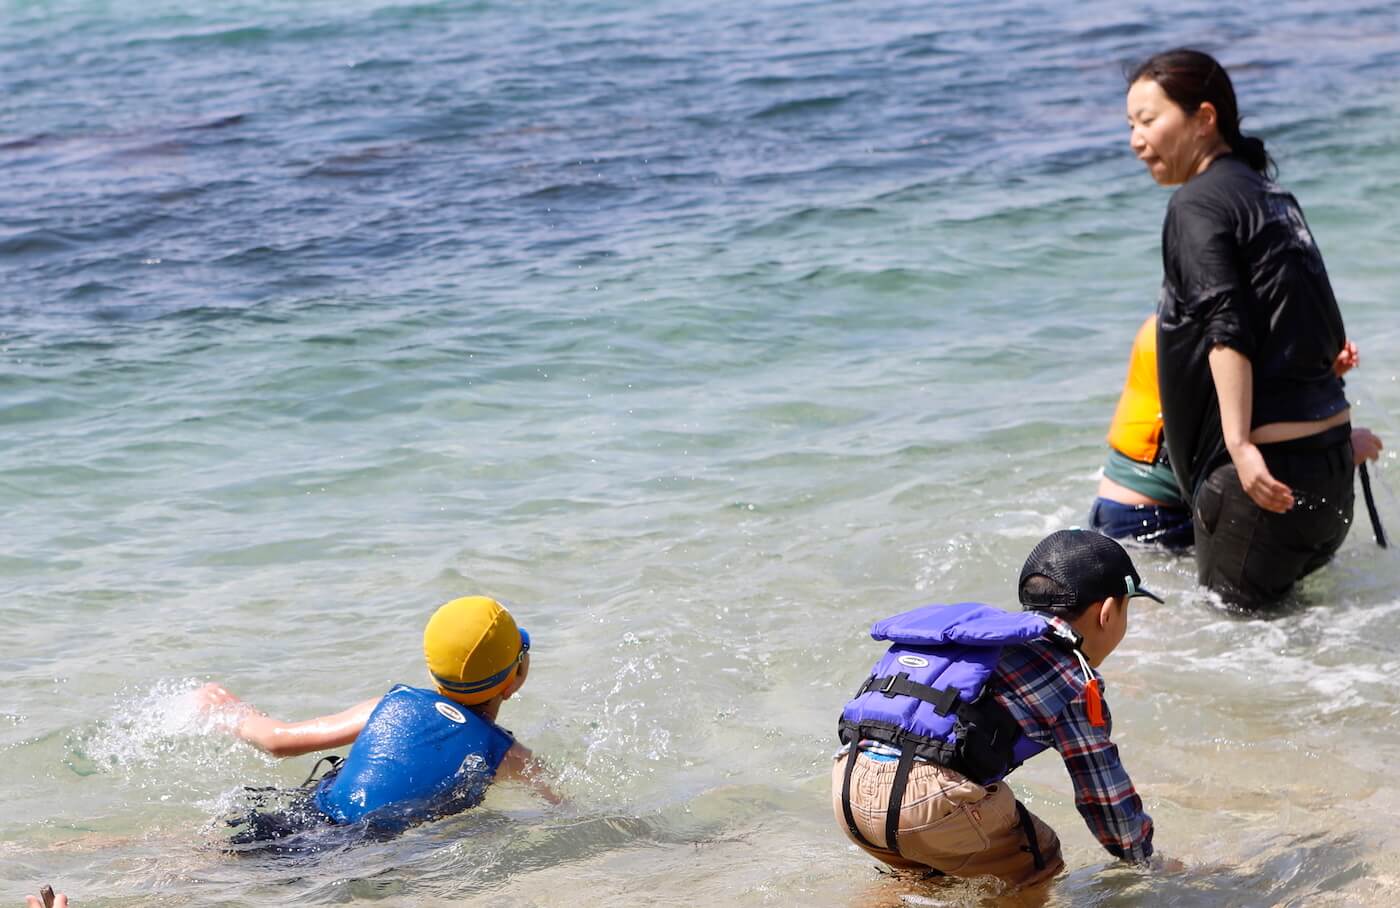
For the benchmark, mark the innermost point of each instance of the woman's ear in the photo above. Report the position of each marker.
(1207, 119)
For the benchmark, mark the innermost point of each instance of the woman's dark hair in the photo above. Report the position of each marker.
(1191, 78)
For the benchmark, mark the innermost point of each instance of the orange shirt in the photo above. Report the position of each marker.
(1136, 430)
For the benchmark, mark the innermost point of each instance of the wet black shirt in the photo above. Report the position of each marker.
(1240, 268)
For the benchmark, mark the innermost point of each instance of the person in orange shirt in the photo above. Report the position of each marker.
(1138, 497)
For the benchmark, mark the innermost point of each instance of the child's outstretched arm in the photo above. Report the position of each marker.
(285, 739)
(520, 765)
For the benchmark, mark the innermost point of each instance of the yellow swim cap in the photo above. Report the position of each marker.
(473, 649)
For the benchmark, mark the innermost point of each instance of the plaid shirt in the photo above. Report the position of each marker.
(1042, 685)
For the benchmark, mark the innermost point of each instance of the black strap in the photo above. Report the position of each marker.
(1371, 506)
(1032, 843)
(943, 700)
(334, 762)
(901, 780)
(851, 756)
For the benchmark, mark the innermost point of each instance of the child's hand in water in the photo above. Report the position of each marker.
(213, 698)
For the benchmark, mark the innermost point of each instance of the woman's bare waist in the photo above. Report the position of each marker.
(1287, 431)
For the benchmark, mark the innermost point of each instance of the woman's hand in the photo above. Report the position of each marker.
(1346, 360)
(1259, 484)
(1365, 445)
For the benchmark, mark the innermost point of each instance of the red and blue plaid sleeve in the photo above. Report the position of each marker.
(1103, 793)
(1041, 685)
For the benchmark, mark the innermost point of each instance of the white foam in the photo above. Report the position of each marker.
(157, 737)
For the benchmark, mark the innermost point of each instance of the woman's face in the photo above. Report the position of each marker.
(1174, 146)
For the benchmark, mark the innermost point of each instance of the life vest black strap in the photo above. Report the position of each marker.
(331, 770)
(1032, 843)
(901, 780)
(851, 756)
(984, 732)
(944, 700)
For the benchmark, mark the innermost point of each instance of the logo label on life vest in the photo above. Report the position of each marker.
(913, 661)
(451, 712)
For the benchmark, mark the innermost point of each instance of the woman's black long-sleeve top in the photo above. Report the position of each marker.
(1240, 268)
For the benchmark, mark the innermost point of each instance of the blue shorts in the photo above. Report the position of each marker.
(1150, 523)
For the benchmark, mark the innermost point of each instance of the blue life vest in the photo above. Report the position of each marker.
(929, 697)
(419, 755)
(929, 694)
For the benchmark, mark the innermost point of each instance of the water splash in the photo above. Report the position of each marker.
(156, 738)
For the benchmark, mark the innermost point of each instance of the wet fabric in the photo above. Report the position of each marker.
(1136, 429)
(276, 819)
(1146, 523)
(419, 755)
(1155, 480)
(946, 822)
(1253, 557)
(1240, 268)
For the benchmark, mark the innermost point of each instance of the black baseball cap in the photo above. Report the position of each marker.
(1087, 566)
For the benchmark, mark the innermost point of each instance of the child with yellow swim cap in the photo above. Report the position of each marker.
(412, 746)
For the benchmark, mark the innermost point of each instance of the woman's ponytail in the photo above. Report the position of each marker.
(1251, 149)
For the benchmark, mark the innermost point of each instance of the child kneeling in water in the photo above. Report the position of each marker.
(415, 749)
(965, 694)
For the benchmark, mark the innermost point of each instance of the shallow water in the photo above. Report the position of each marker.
(704, 336)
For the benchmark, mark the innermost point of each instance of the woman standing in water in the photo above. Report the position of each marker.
(1250, 342)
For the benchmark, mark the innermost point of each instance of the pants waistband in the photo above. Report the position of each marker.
(1322, 441)
(1311, 459)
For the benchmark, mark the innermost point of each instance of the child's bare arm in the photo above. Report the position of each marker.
(519, 764)
(285, 739)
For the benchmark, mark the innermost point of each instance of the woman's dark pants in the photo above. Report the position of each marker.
(1252, 557)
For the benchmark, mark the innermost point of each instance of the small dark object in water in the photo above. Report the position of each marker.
(46, 894)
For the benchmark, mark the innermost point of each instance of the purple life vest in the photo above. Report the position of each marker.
(929, 694)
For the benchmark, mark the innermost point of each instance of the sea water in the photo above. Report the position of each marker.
(703, 334)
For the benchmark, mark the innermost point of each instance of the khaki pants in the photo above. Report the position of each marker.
(946, 821)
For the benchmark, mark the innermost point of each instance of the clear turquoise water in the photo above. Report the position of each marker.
(703, 335)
